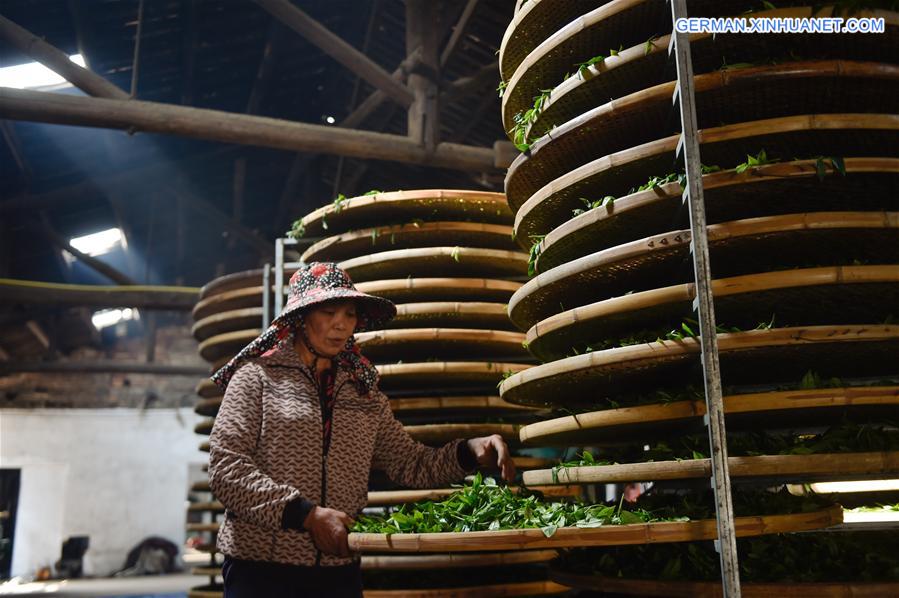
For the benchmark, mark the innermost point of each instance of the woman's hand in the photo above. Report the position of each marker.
(328, 528)
(492, 451)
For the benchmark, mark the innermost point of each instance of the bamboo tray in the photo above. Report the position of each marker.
(777, 356)
(483, 403)
(207, 389)
(404, 206)
(442, 375)
(712, 589)
(208, 407)
(439, 434)
(442, 343)
(204, 427)
(207, 571)
(736, 248)
(525, 588)
(404, 236)
(641, 64)
(615, 174)
(227, 345)
(792, 468)
(613, 535)
(769, 190)
(758, 410)
(452, 314)
(455, 561)
(206, 507)
(439, 261)
(408, 290)
(206, 592)
(397, 497)
(227, 301)
(722, 97)
(814, 296)
(229, 321)
(232, 282)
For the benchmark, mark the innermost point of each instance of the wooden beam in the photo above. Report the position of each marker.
(103, 366)
(374, 101)
(458, 31)
(29, 292)
(95, 264)
(38, 333)
(57, 61)
(262, 82)
(465, 86)
(338, 49)
(424, 113)
(228, 127)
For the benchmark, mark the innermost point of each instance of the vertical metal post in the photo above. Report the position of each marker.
(266, 295)
(704, 305)
(279, 277)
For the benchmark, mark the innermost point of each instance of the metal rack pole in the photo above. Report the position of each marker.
(688, 147)
(266, 295)
(279, 276)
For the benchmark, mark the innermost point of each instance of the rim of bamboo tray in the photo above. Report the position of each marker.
(752, 244)
(543, 68)
(208, 407)
(446, 261)
(615, 174)
(782, 351)
(204, 446)
(227, 345)
(202, 527)
(443, 343)
(439, 434)
(455, 561)
(444, 374)
(204, 593)
(403, 236)
(452, 314)
(478, 403)
(612, 535)
(382, 498)
(524, 588)
(712, 589)
(229, 321)
(204, 427)
(790, 187)
(207, 389)
(826, 295)
(795, 468)
(422, 289)
(232, 282)
(213, 506)
(200, 486)
(386, 208)
(722, 97)
(227, 301)
(783, 407)
(207, 571)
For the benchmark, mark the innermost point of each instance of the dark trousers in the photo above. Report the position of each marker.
(258, 579)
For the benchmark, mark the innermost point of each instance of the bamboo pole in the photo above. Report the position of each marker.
(226, 127)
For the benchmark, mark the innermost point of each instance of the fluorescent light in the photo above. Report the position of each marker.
(860, 486)
(110, 317)
(330, 120)
(98, 243)
(34, 75)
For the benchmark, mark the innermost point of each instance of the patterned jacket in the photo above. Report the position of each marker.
(266, 462)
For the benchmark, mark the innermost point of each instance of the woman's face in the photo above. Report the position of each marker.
(329, 325)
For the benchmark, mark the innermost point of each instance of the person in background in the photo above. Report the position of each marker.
(301, 425)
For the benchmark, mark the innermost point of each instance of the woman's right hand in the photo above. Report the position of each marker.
(328, 528)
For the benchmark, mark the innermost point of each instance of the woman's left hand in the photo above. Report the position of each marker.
(492, 451)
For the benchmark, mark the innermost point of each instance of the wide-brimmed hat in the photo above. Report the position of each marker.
(314, 284)
(318, 282)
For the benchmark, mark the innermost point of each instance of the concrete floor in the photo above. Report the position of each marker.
(154, 586)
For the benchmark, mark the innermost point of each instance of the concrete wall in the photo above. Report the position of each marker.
(116, 475)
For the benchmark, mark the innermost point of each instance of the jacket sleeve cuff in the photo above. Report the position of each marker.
(295, 514)
(466, 458)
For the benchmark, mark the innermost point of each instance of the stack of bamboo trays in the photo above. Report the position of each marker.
(803, 237)
(447, 259)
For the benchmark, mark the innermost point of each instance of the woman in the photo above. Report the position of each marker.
(301, 425)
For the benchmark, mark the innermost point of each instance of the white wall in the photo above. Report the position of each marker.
(116, 475)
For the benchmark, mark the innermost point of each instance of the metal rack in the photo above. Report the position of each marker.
(271, 309)
(703, 304)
